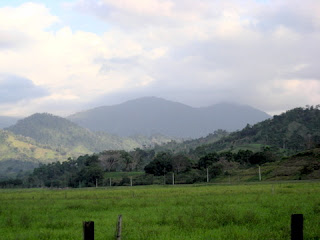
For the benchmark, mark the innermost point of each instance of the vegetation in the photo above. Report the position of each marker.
(125, 168)
(20, 148)
(218, 155)
(67, 136)
(254, 211)
(20, 154)
(293, 131)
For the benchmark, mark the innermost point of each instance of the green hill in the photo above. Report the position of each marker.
(293, 131)
(25, 149)
(45, 138)
(20, 153)
(301, 166)
(67, 136)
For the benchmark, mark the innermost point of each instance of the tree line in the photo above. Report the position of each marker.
(91, 170)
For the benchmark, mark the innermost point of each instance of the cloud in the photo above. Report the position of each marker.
(25, 18)
(15, 89)
(12, 39)
(260, 53)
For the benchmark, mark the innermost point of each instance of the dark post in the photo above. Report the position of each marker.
(88, 230)
(119, 228)
(297, 227)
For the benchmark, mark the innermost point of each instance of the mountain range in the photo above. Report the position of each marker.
(43, 138)
(67, 136)
(151, 115)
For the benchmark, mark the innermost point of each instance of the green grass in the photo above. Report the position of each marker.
(252, 211)
(122, 174)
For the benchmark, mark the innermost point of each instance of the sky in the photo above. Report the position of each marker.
(64, 56)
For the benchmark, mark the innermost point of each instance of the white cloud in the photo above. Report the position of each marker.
(198, 52)
(28, 17)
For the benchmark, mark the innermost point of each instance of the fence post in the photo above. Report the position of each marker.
(88, 230)
(259, 173)
(119, 227)
(173, 178)
(297, 227)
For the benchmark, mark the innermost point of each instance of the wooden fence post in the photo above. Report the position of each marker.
(173, 178)
(88, 230)
(119, 228)
(297, 227)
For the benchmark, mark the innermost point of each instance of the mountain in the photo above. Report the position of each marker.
(67, 136)
(295, 130)
(151, 115)
(7, 121)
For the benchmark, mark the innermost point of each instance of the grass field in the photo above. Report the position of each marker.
(252, 211)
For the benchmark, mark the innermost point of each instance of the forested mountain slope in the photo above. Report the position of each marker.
(295, 130)
(151, 115)
(63, 134)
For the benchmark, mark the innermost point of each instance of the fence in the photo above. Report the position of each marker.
(296, 228)
(125, 179)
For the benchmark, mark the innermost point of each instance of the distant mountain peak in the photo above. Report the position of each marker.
(149, 115)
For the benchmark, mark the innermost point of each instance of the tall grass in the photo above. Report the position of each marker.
(254, 211)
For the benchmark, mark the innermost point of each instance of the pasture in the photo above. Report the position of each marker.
(180, 212)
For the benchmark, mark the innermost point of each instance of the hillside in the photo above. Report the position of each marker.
(151, 115)
(301, 166)
(63, 134)
(187, 145)
(295, 130)
(20, 153)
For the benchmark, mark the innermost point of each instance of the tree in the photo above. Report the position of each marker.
(242, 156)
(111, 160)
(127, 160)
(91, 172)
(258, 158)
(140, 157)
(180, 163)
(207, 160)
(161, 164)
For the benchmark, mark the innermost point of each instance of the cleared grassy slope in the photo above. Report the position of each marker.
(24, 149)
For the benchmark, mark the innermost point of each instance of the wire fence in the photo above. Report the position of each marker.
(181, 178)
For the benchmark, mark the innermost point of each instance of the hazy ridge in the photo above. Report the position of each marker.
(151, 115)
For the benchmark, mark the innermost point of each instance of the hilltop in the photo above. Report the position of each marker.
(151, 115)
